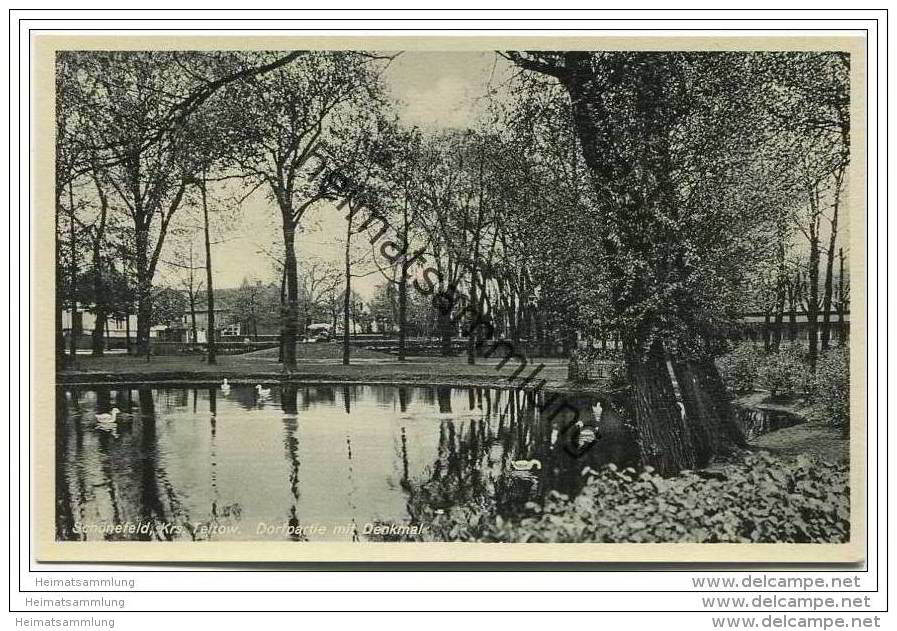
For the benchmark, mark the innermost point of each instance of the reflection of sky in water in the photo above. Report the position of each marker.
(324, 456)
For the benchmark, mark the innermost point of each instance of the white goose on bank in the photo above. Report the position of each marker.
(225, 387)
(262, 392)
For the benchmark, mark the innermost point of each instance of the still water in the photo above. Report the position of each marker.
(315, 462)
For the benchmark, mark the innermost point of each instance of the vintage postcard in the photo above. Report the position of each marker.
(449, 299)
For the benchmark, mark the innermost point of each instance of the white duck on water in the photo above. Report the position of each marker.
(262, 392)
(106, 422)
(225, 387)
(587, 433)
(107, 418)
(526, 465)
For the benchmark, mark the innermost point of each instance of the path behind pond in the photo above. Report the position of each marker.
(314, 364)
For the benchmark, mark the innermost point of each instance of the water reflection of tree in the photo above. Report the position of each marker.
(105, 445)
(65, 517)
(405, 398)
(427, 396)
(79, 473)
(219, 514)
(353, 489)
(444, 398)
(73, 469)
(289, 405)
(213, 452)
(152, 509)
(124, 466)
(474, 458)
(316, 395)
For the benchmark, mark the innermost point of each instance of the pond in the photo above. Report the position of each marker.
(314, 462)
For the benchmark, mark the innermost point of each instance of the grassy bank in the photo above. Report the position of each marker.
(317, 363)
(816, 436)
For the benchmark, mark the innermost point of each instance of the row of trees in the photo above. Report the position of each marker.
(653, 196)
(144, 136)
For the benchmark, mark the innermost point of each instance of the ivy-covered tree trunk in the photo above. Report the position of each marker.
(664, 441)
(708, 414)
(632, 166)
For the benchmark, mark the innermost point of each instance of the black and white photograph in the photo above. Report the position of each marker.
(376, 294)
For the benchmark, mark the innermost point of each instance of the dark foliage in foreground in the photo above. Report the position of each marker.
(759, 499)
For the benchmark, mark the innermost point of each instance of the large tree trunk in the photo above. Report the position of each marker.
(60, 337)
(403, 277)
(98, 340)
(144, 296)
(194, 330)
(73, 278)
(60, 295)
(403, 308)
(842, 303)
(100, 309)
(443, 301)
(813, 303)
(779, 318)
(474, 271)
(211, 355)
(283, 306)
(473, 317)
(793, 304)
(127, 329)
(781, 286)
(812, 300)
(664, 442)
(291, 312)
(708, 413)
(829, 266)
(347, 296)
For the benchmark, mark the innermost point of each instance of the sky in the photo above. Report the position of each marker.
(433, 90)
